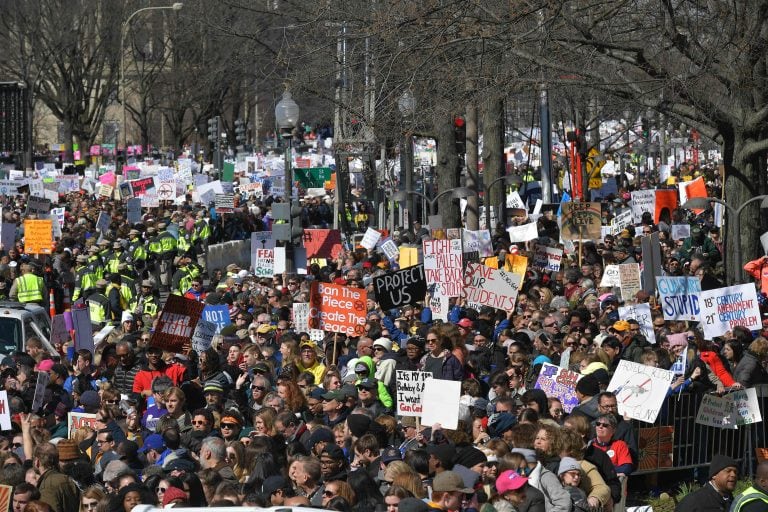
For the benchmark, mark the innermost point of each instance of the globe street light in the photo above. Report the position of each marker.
(287, 117)
(177, 6)
(702, 203)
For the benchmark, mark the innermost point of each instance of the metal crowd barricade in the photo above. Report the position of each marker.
(675, 441)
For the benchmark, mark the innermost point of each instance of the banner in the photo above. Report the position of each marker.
(322, 243)
(722, 309)
(640, 390)
(442, 266)
(641, 313)
(491, 287)
(337, 308)
(559, 383)
(410, 389)
(581, 221)
(400, 288)
(177, 323)
(38, 236)
(264, 263)
(217, 315)
(547, 258)
(629, 279)
(679, 297)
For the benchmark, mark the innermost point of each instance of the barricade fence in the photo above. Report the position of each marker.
(675, 441)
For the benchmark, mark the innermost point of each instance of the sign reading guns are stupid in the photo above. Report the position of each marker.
(679, 297)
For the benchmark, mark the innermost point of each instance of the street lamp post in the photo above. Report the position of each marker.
(456, 193)
(509, 179)
(287, 117)
(407, 106)
(177, 6)
(698, 203)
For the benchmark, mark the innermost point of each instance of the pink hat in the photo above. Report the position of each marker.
(45, 365)
(510, 481)
(465, 322)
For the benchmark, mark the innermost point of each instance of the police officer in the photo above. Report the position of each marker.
(85, 278)
(98, 304)
(136, 253)
(200, 236)
(29, 288)
(146, 303)
(114, 257)
(117, 302)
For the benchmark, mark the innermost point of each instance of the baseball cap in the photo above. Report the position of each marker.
(368, 383)
(334, 395)
(465, 322)
(273, 484)
(510, 481)
(391, 454)
(621, 325)
(450, 481)
(152, 442)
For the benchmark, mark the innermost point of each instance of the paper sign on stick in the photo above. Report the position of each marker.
(410, 389)
(441, 403)
(640, 390)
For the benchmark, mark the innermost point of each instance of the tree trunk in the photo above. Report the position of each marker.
(493, 155)
(68, 140)
(473, 181)
(447, 171)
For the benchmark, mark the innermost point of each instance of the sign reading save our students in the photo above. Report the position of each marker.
(491, 287)
(400, 288)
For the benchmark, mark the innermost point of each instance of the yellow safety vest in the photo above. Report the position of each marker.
(29, 288)
(750, 494)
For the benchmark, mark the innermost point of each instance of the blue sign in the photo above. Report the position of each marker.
(219, 315)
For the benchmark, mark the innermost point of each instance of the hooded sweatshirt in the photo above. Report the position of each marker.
(384, 396)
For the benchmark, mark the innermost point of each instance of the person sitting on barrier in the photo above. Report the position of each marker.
(717, 494)
(616, 449)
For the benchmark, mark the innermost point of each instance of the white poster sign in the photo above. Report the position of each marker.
(410, 389)
(679, 297)
(524, 233)
(370, 238)
(5, 411)
(611, 277)
(301, 316)
(203, 335)
(264, 263)
(642, 201)
(547, 258)
(681, 231)
(640, 390)
(641, 313)
(441, 403)
(514, 201)
(722, 309)
(491, 287)
(629, 277)
(442, 266)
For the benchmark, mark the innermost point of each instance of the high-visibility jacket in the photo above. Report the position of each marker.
(749, 495)
(167, 242)
(127, 288)
(96, 265)
(145, 305)
(184, 243)
(112, 261)
(201, 232)
(84, 282)
(30, 288)
(137, 250)
(123, 303)
(98, 308)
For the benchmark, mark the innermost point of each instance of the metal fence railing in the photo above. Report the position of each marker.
(675, 441)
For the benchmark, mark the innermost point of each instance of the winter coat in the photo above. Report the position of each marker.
(384, 396)
(749, 371)
(451, 367)
(706, 499)
(556, 498)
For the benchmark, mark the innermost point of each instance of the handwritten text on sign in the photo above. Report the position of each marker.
(679, 297)
(337, 308)
(410, 388)
(491, 287)
(722, 309)
(559, 383)
(442, 265)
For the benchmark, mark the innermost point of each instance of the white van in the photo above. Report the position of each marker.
(18, 322)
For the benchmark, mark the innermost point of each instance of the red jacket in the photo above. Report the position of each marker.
(716, 365)
(759, 270)
(145, 376)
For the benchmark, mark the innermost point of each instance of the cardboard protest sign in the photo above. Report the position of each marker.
(515, 202)
(641, 313)
(177, 323)
(442, 265)
(38, 205)
(337, 308)
(640, 390)
(5, 411)
(523, 233)
(491, 287)
(75, 420)
(642, 201)
(322, 243)
(408, 257)
(679, 297)
(716, 411)
(681, 231)
(722, 309)
(264, 263)
(746, 408)
(218, 315)
(410, 389)
(580, 221)
(43, 378)
(400, 288)
(133, 207)
(38, 236)
(203, 336)
(547, 258)
(370, 238)
(629, 279)
(440, 403)
(559, 383)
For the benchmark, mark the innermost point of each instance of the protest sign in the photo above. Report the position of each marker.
(337, 308)
(400, 288)
(217, 315)
(38, 206)
(105, 190)
(133, 207)
(722, 309)
(224, 203)
(440, 403)
(679, 297)
(7, 235)
(38, 236)
(665, 200)
(103, 222)
(442, 266)
(43, 378)
(75, 420)
(301, 316)
(642, 201)
(641, 313)
(746, 408)
(491, 287)
(629, 280)
(150, 200)
(559, 383)
(177, 323)
(410, 388)
(681, 231)
(580, 221)
(59, 333)
(264, 263)
(439, 305)
(523, 233)
(143, 186)
(6, 493)
(5, 411)
(81, 324)
(621, 221)
(408, 256)
(716, 411)
(640, 390)
(515, 202)
(370, 238)
(680, 364)
(390, 250)
(322, 243)
(203, 336)
(547, 258)
(478, 241)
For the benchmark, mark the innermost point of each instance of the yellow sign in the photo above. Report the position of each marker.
(38, 236)
(409, 257)
(595, 165)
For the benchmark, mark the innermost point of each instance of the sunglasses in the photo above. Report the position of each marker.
(228, 425)
(601, 424)
(360, 388)
(259, 388)
(199, 422)
(91, 505)
(328, 494)
(161, 490)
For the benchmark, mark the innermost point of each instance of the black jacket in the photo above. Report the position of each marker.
(706, 499)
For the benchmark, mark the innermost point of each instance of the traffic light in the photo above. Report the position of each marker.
(240, 132)
(297, 230)
(213, 129)
(288, 228)
(646, 126)
(460, 134)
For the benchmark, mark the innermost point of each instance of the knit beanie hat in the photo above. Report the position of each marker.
(719, 463)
